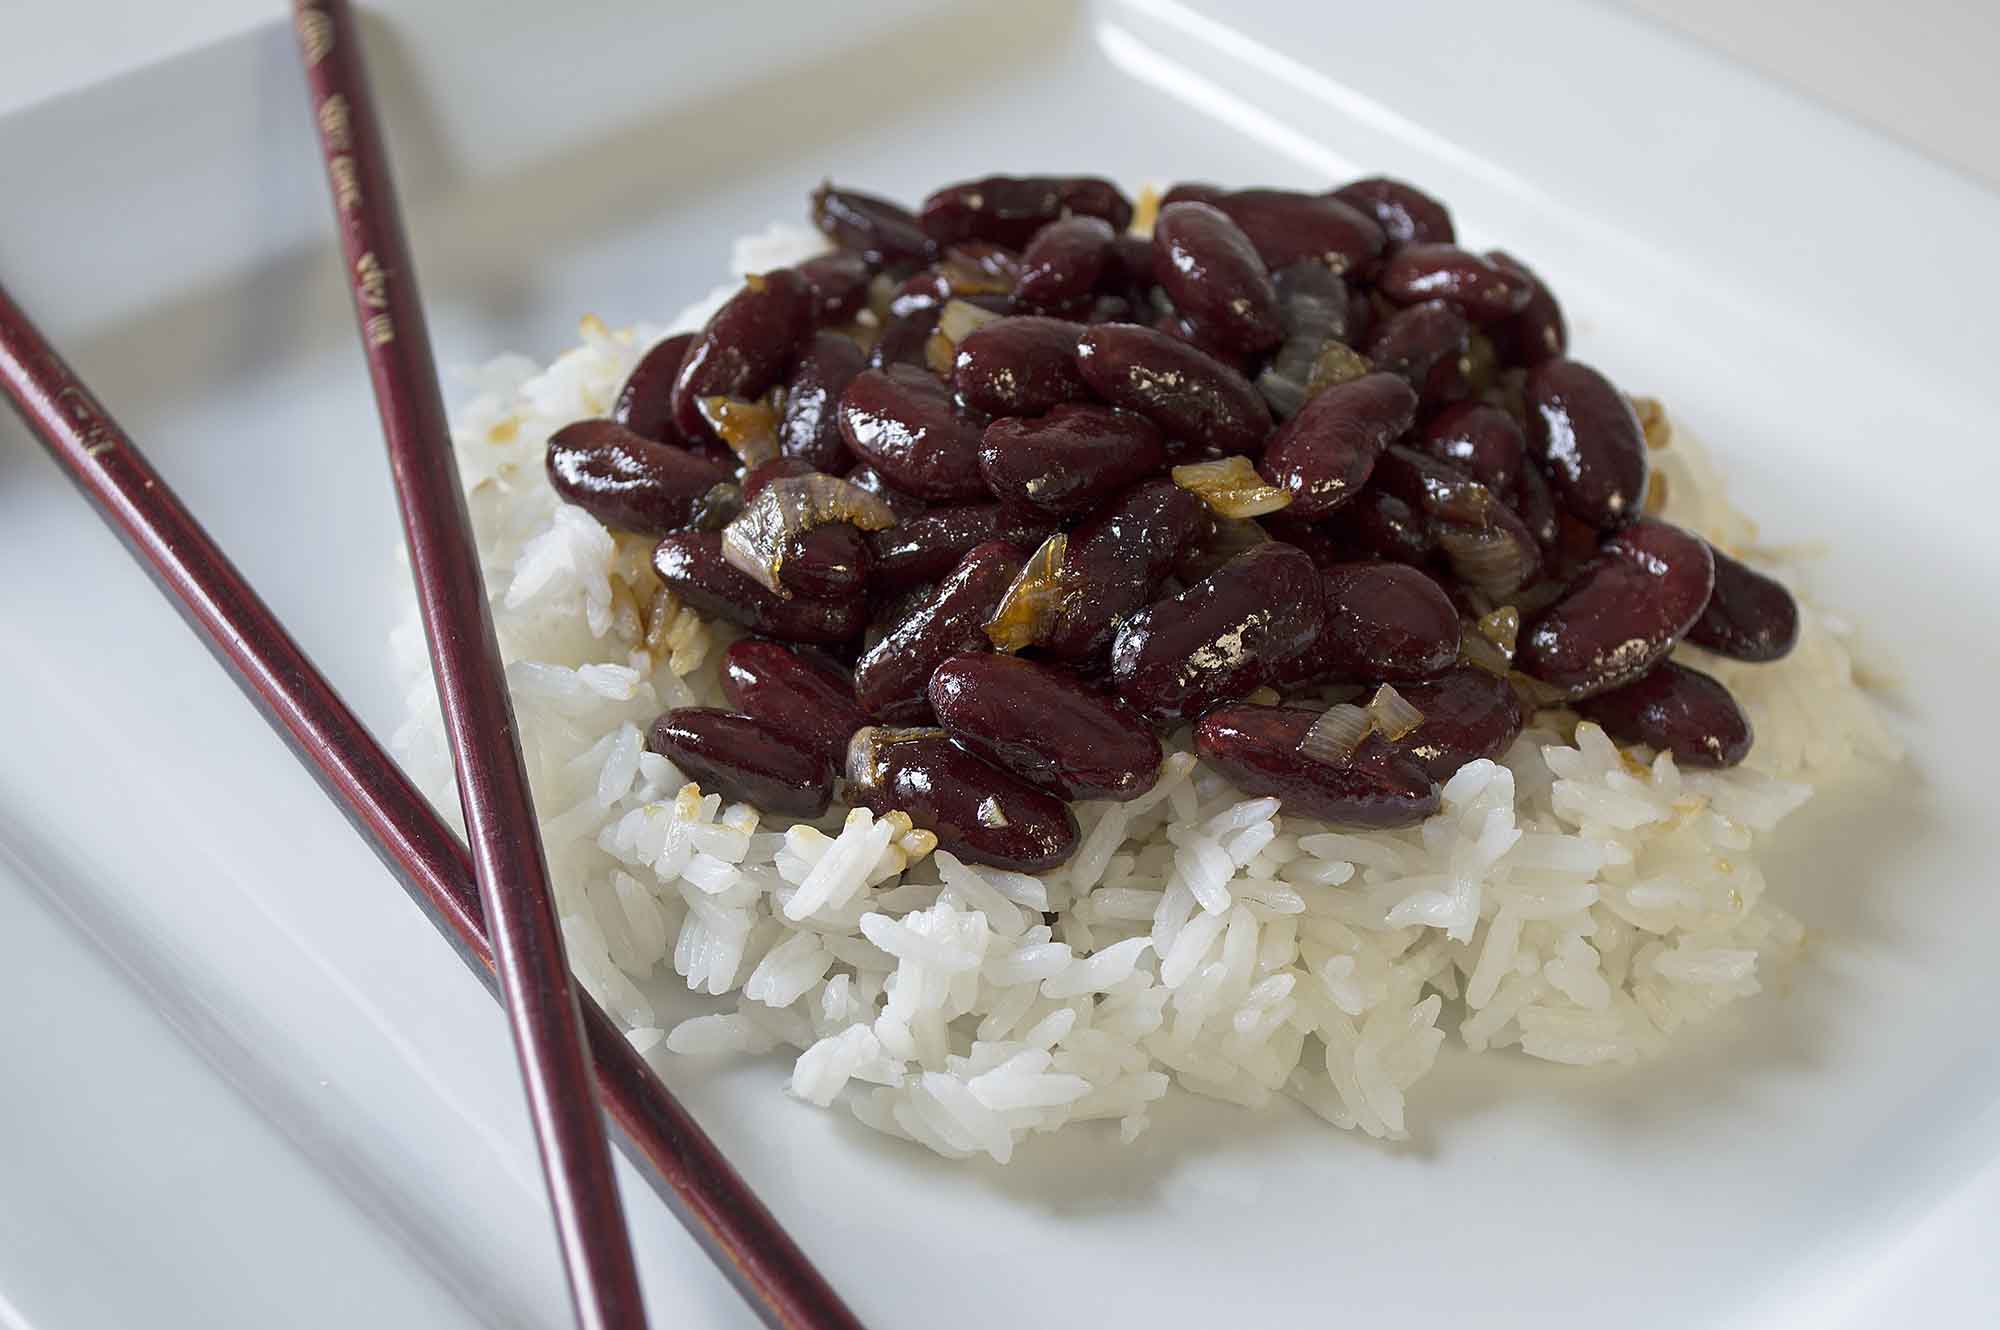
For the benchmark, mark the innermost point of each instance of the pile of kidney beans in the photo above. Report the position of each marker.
(1463, 510)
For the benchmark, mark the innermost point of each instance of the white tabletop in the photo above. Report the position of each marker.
(1918, 71)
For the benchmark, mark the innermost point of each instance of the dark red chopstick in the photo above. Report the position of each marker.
(723, 1214)
(507, 857)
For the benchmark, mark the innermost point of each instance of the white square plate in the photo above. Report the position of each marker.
(247, 1085)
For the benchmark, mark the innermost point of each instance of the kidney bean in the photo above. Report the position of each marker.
(1489, 548)
(797, 693)
(892, 676)
(645, 404)
(1405, 213)
(1481, 440)
(1045, 726)
(1214, 276)
(1678, 710)
(1019, 366)
(1378, 525)
(976, 271)
(1189, 191)
(902, 421)
(691, 563)
(1062, 266)
(1068, 461)
(1537, 332)
(905, 506)
(1383, 621)
(925, 547)
(1286, 227)
(826, 562)
(838, 283)
(631, 483)
(1010, 209)
(1749, 616)
(1189, 395)
(1469, 714)
(902, 340)
(745, 346)
(883, 233)
(810, 427)
(1536, 507)
(1413, 342)
(744, 759)
(1584, 433)
(1622, 613)
(1257, 748)
(1323, 455)
(1486, 291)
(1220, 638)
(978, 811)
(1117, 559)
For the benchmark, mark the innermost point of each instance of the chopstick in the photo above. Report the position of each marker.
(509, 864)
(678, 1158)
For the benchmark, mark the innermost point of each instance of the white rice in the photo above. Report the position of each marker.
(1574, 901)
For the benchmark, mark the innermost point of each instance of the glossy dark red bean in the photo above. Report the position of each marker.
(1749, 616)
(1286, 227)
(1323, 455)
(1117, 558)
(882, 232)
(810, 427)
(925, 547)
(691, 563)
(1019, 366)
(891, 678)
(1469, 714)
(1010, 209)
(1537, 332)
(1487, 545)
(1068, 461)
(1678, 710)
(1189, 191)
(1622, 613)
(744, 759)
(979, 812)
(827, 562)
(645, 403)
(905, 506)
(1045, 726)
(1190, 395)
(778, 468)
(1481, 440)
(1383, 621)
(1257, 747)
(745, 347)
(798, 693)
(1378, 525)
(839, 285)
(1584, 433)
(1414, 341)
(903, 422)
(1486, 291)
(1536, 507)
(1405, 213)
(1222, 637)
(1213, 274)
(903, 339)
(976, 271)
(1062, 266)
(630, 483)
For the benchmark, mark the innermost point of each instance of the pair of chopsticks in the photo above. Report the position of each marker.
(558, 1049)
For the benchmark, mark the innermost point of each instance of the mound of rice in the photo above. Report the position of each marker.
(1575, 901)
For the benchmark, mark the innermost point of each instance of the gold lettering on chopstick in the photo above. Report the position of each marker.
(335, 124)
(98, 436)
(379, 330)
(346, 182)
(315, 34)
(371, 283)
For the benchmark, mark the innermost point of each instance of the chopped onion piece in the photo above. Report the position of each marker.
(1338, 363)
(749, 428)
(1231, 487)
(1391, 714)
(959, 318)
(1659, 431)
(864, 749)
(1486, 558)
(1477, 651)
(939, 353)
(1028, 611)
(1336, 734)
(756, 540)
(1231, 536)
